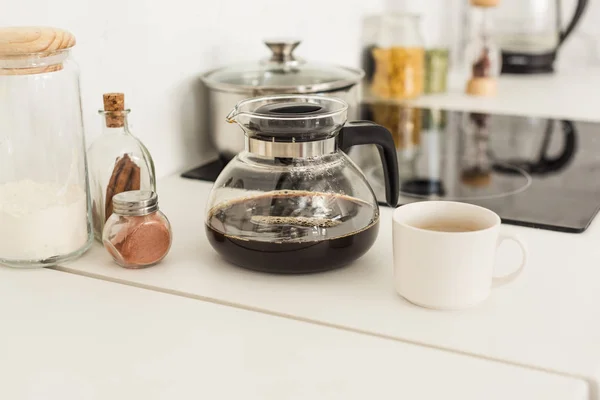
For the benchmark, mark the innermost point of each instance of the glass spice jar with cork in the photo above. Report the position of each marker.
(117, 161)
(137, 234)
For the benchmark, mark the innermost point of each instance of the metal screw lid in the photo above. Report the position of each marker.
(135, 203)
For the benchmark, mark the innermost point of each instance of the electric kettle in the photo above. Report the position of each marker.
(529, 33)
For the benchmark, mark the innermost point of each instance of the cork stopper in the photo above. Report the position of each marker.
(481, 87)
(485, 3)
(113, 104)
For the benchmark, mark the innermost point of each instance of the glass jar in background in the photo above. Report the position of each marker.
(437, 24)
(482, 55)
(399, 57)
(44, 194)
(118, 161)
(437, 63)
(438, 20)
(137, 234)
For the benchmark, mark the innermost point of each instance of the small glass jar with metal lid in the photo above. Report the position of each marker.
(137, 234)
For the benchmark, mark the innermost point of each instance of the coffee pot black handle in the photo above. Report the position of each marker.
(365, 132)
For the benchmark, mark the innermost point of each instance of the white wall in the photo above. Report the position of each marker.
(154, 51)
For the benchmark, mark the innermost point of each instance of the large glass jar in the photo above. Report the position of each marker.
(118, 161)
(399, 57)
(44, 195)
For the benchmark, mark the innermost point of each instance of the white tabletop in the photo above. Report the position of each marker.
(69, 337)
(547, 318)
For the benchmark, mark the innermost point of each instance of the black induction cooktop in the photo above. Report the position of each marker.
(532, 171)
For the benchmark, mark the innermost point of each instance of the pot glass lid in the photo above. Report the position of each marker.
(282, 73)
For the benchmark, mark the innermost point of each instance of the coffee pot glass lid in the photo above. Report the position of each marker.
(282, 72)
(290, 118)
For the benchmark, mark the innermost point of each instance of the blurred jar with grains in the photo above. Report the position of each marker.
(398, 55)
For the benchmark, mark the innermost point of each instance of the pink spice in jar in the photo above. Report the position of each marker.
(137, 234)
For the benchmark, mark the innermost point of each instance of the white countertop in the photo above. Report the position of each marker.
(68, 337)
(547, 318)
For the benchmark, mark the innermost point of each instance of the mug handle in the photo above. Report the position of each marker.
(504, 279)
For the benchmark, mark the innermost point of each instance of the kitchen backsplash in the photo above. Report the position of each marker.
(155, 51)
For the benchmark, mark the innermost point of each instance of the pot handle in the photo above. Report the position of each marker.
(366, 132)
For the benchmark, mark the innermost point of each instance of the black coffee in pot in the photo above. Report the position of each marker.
(293, 232)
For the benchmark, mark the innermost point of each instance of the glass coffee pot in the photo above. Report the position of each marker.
(293, 202)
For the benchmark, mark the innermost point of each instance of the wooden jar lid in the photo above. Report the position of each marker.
(24, 40)
(485, 3)
(21, 43)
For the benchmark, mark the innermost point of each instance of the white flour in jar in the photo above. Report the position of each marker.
(41, 220)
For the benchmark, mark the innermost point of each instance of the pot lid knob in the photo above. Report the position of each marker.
(282, 49)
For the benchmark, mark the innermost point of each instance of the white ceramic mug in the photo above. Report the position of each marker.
(444, 253)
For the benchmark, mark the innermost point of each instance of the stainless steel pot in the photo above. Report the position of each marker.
(282, 73)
